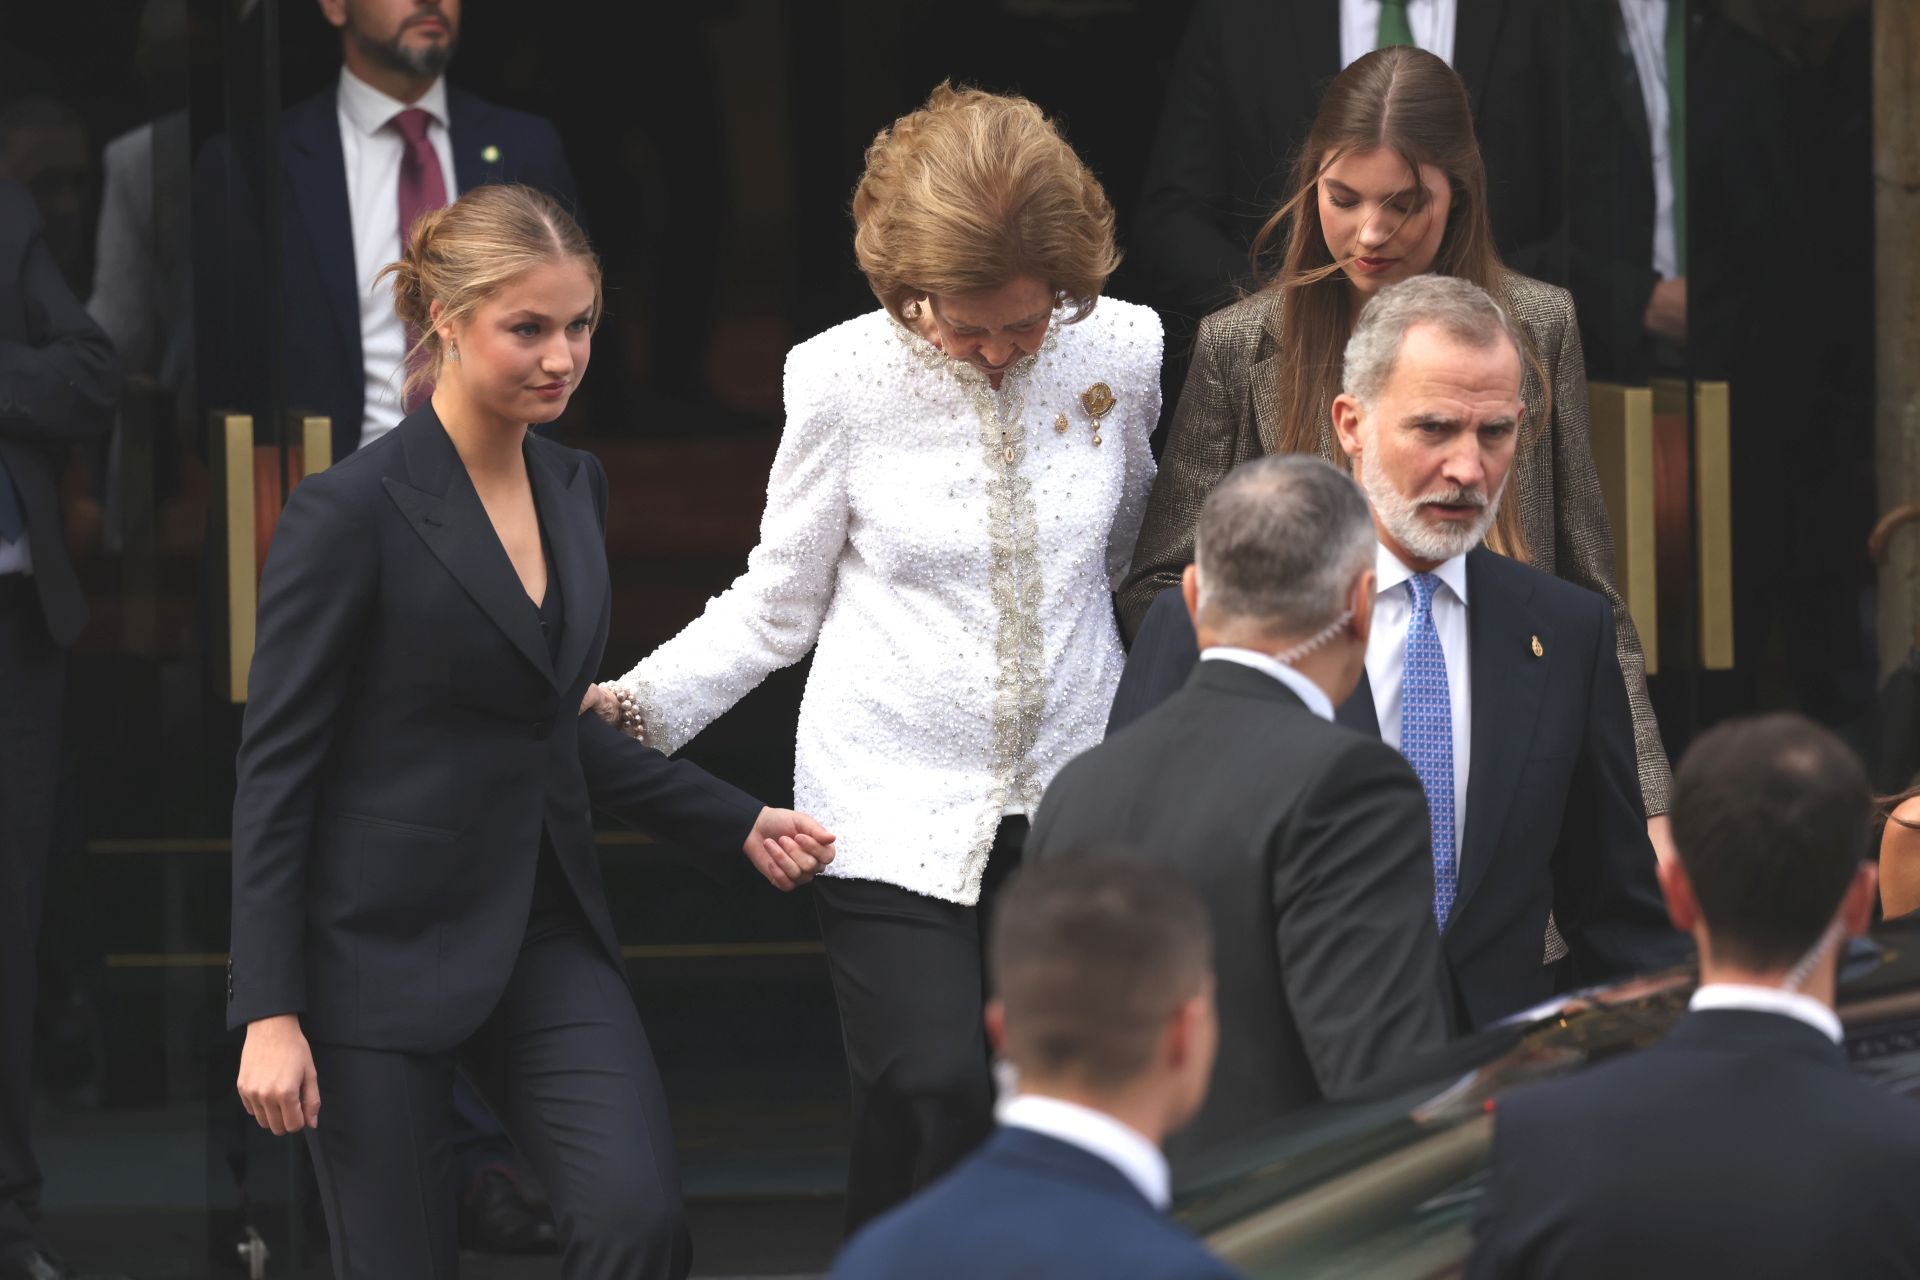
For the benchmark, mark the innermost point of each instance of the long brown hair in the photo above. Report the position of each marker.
(1411, 102)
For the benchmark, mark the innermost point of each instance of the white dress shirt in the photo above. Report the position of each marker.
(1308, 692)
(1646, 27)
(1432, 22)
(1095, 1132)
(372, 150)
(1387, 658)
(1788, 1004)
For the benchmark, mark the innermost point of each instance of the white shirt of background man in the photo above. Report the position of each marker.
(372, 149)
(1646, 30)
(1432, 22)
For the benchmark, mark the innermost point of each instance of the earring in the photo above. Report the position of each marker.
(453, 354)
(911, 311)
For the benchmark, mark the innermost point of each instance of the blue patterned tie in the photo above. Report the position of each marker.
(1426, 734)
(13, 521)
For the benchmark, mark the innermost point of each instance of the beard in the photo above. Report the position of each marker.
(395, 55)
(1401, 515)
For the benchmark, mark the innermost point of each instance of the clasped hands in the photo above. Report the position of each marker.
(786, 846)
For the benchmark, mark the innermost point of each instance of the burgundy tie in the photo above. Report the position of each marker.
(422, 187)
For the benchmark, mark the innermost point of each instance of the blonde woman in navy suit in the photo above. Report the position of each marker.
(414, 885)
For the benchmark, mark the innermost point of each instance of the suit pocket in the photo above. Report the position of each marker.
(395, 824)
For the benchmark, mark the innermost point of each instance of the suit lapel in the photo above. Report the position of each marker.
(1358, 712)
(1476, 33)
(1508, 682)
(444, 510)
(317, 178)
(1603, 25)
(566, 510)
(477, 157)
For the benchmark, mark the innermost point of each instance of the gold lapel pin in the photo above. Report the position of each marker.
(1539, 650)
(1098, 401)
(491, 154)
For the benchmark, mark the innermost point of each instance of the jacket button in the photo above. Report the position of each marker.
(538, 729)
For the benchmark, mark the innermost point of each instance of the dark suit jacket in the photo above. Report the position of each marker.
(1245, 88)
(1027, 1207)
(408, 741)
(1741, 1145)
(1748, 151)
(319, 313)
(1553, 821)
(59, 379)
(1310, 845)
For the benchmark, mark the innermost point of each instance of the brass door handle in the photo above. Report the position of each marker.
(249, 469)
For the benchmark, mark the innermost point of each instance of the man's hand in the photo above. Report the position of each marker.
(277, 1081)
(787, 847)
(1666, 315)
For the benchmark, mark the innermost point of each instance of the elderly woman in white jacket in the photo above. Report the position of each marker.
(956, 493)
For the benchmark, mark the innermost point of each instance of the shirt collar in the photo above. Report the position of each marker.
(1097, 1133)
(1389, 571)
(1789, 1004)
(369, 110)
(1310, 693)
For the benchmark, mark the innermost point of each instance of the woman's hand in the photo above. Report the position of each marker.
(277, 1082)
(603, 702)
(787, 847)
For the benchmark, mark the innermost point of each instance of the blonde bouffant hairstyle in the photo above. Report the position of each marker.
(972, 191)
(463, 253)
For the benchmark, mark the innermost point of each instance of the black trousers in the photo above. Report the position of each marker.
(564, 1063)
(909, 973)
(33, 671)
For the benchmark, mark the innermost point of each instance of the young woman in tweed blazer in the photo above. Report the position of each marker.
(1390, 185)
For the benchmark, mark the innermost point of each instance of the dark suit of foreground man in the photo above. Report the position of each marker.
(1103, 1003)
(1532, 760)
(414, 883)
(1741, 1145)
(1307, 841)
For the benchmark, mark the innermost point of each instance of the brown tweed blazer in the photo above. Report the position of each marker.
(1229, 412)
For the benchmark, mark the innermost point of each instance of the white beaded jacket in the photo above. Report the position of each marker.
(948, 552)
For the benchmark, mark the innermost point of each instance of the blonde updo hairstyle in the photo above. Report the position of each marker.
(463, 253)
(972, 191)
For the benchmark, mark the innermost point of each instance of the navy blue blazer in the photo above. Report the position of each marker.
(1027, 1207)
(410, 740)
(1740, 1145)
(1553, 820)
(319, 315)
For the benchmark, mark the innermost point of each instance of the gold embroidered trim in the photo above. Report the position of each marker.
(1020, 694)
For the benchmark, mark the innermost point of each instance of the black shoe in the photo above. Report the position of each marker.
(497, 1217)
(31, 1263)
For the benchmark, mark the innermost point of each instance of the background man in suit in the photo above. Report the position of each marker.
(1497, 681)
(1741, 1144)
(392, 140)
(1103, 1003)
(1308, 841)
(58, 383)
(1246, 86)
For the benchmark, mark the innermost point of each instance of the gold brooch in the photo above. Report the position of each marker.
(1539, 650)
(1060, 425)
(1098, 401)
